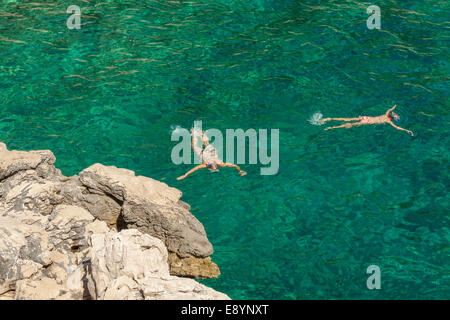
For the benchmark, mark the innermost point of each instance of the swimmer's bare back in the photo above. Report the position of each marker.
(365, 120)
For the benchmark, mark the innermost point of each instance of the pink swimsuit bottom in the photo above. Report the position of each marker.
(365, 118)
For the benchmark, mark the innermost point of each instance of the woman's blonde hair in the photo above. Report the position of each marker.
(213, 167)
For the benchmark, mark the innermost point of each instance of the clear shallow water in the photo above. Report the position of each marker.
(342, 200)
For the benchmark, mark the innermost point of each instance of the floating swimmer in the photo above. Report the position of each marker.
(208, 155)
(388, 117)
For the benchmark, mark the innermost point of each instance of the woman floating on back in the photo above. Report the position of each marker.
(388, 117)
(208, 155)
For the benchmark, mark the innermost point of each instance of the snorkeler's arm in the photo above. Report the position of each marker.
(398, 128)
(200, 166)
(241, 172)
(391, 109)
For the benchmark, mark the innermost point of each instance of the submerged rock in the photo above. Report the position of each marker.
(105, 234)
(190, 266)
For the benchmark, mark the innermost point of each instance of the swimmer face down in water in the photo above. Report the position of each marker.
(388, 117)
(208, 156)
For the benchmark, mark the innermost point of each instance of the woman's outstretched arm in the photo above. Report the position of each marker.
(398, 128)
(391, 109)
(241, 172)
(200, 166)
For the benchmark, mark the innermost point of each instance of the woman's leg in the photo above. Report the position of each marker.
(341, 119)
(346, 125)
(196, 134)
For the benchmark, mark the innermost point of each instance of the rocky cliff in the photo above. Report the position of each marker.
(102, 234)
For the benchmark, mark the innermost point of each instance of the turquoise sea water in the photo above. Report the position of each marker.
(113, 91)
